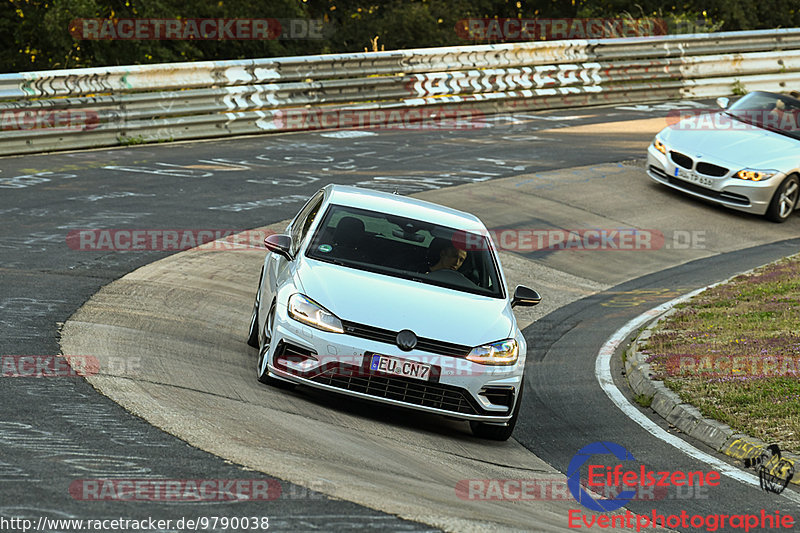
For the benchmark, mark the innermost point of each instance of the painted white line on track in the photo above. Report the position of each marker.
(603, 372)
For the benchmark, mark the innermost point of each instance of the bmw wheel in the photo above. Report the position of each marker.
(785, 200)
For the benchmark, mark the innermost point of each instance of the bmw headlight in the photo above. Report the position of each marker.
(755, 175)
(307, 311)
(498, 353)
(661, 147)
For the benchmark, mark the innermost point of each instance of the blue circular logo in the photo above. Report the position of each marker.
(574, 476)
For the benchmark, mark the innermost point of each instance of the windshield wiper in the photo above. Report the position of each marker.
(328, 259)
(741, 119)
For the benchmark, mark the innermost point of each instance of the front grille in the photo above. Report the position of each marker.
(680, 159)
(389, 337)
(709, 193)
(710, 169)
(427, 394)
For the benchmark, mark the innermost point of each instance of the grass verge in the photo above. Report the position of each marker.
(733, 351)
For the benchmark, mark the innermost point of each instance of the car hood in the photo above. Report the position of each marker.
(749, 146)
(395, 304)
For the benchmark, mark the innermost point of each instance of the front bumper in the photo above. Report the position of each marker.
(340, 363)
(748, 196)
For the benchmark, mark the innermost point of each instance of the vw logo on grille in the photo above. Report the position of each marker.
(406, 340)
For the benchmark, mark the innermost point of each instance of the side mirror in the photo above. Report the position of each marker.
(723, 102)
(279, 244)
(525, 297)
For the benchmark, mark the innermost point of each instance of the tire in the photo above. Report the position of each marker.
(484, 430)
(252, 339)
(785, 200)
(264, 346)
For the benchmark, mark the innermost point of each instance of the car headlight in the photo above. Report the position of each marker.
(661, 147)
(755, 175)
(307, 311)
(498, 353)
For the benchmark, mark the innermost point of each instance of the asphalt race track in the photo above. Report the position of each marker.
(169, 332)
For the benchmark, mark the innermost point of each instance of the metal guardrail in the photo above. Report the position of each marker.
(82, 108)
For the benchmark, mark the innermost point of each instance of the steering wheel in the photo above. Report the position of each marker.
(452, 276)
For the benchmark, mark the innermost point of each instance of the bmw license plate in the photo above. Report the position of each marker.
(400, 367)
(690, 176)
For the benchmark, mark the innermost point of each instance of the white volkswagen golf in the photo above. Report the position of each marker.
(393, 300)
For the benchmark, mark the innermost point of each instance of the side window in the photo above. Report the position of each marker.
(304, 220)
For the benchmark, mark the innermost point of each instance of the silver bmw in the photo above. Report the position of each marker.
(393, 300)
(745, 157)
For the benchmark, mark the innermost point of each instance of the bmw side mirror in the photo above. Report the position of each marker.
(723, 102)
(525, 297)
(279, 244)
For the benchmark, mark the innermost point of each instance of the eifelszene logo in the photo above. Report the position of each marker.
(601, 477)
(574, 476)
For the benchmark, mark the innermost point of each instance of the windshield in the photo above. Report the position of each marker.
(770, 111)
(406, 248)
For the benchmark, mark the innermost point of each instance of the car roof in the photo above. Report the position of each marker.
(402, 206)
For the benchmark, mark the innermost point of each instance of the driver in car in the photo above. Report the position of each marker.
(450, 258)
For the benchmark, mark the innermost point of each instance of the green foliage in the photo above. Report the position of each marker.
(124, 140)
(41, 31)
(36, 36)
(644, 400)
